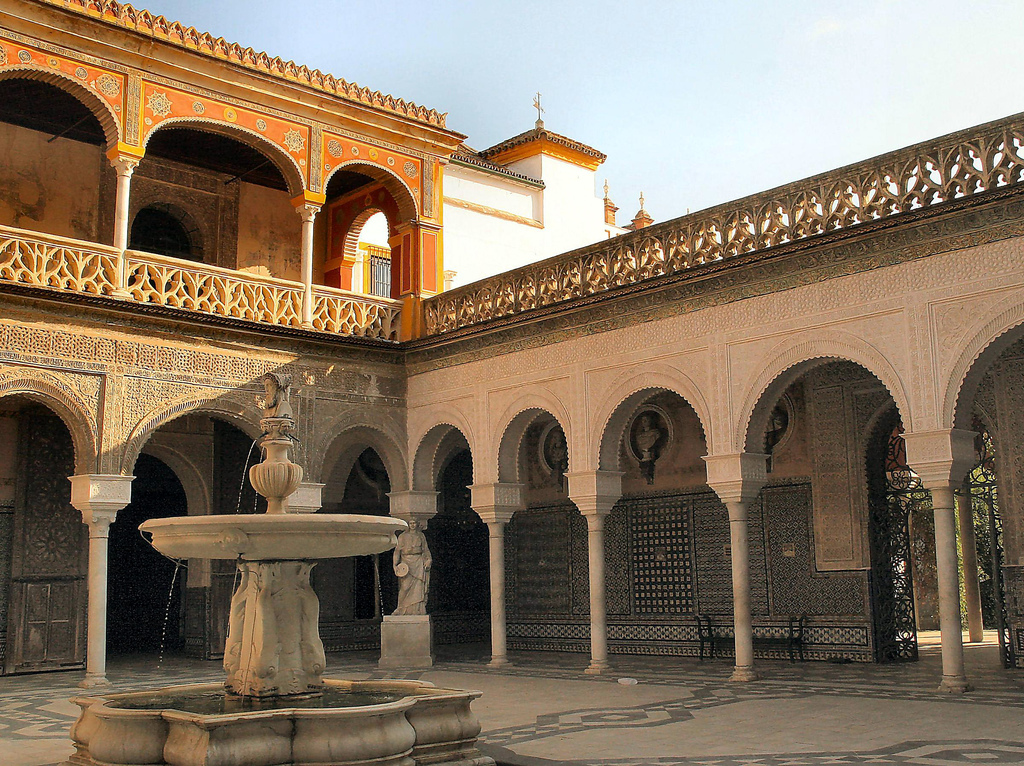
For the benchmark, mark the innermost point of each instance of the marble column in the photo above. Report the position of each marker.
(594, 493)
(98, 497)
(737, 479)
(124, 166)
(495, 504)
(941, 459)
(969, 549)
(308, 214)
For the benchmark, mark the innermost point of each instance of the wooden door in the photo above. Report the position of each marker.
(46, 624)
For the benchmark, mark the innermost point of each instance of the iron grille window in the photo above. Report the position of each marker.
(380, 271)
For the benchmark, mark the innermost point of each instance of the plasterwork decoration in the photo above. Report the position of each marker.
(409, 168)
(294, 141)
(162, 401)
(338, 147)
(175, 33)
(76, 394)
(107, 85)
(428, 188)
(165, 103)
(949, 168)
(133, 109)
(316, 156)
(765, 281)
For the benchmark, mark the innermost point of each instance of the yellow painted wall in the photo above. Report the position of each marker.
(269, 233)
(53, 188)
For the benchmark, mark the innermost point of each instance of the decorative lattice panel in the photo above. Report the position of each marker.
(662, 559)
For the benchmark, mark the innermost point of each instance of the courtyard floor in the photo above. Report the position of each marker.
(543, 710)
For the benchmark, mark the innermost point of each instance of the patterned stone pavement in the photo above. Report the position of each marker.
(542, 710)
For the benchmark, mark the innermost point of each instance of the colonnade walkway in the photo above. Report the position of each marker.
(542, 710)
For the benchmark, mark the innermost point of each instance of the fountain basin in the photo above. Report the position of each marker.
(419, 725)
(263, 537)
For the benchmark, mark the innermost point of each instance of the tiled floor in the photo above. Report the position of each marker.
(543, 710)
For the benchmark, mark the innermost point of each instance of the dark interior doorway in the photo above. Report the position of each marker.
(459, 598)
(139, 577)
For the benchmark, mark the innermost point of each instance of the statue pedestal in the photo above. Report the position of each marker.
(406, 641)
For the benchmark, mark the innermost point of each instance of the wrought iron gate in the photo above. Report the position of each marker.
(893, 492)
(981, 487)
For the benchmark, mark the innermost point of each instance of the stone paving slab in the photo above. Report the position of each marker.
(543, 710)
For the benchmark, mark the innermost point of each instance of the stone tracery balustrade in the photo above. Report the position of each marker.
(45, 261)
(42, 260)
(951, 167)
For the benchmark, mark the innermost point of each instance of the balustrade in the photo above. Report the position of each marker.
(44, 261)
(952, 167)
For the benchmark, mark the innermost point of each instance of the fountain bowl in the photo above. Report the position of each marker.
(269, 537)
(419, 725)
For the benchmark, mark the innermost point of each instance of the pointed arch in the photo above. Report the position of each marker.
(400, 191)
(431, 451)
(994, 335)
(791, 358)
(101, 110)
(284, 162)
(532, 403)
(626, 393)
(56, 395)
(342, 449)
(235, 410)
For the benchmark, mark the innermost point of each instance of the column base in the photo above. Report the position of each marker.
(498, 662)
(307, 326)
(954, 685)
(93, 681)
(597, 667)
(122, 294)
(743, 674)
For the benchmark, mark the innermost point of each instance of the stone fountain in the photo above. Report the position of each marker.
(275, 708)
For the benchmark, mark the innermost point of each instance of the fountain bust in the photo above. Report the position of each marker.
(276, 478)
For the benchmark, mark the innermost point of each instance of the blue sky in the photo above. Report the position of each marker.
(694, 103)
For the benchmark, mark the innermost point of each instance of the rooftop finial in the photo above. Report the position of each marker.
(539, 108)
(641, 200)
(606, 189)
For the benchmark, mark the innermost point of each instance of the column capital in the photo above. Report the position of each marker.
(413, 504)
(100, 496)
(941, 458)
(124, 166)
(308, 498)
(497, 502)
(309, 199)
(595, 492)
(737, 477)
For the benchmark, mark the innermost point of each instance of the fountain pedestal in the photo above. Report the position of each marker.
(273, 646)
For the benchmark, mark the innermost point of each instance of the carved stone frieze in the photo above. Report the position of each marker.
(726, 284)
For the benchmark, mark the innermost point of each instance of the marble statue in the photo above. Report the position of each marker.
(412, 562)
(278, 390)
(646, 442)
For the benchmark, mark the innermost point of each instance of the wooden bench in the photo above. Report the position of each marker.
(792, 640)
